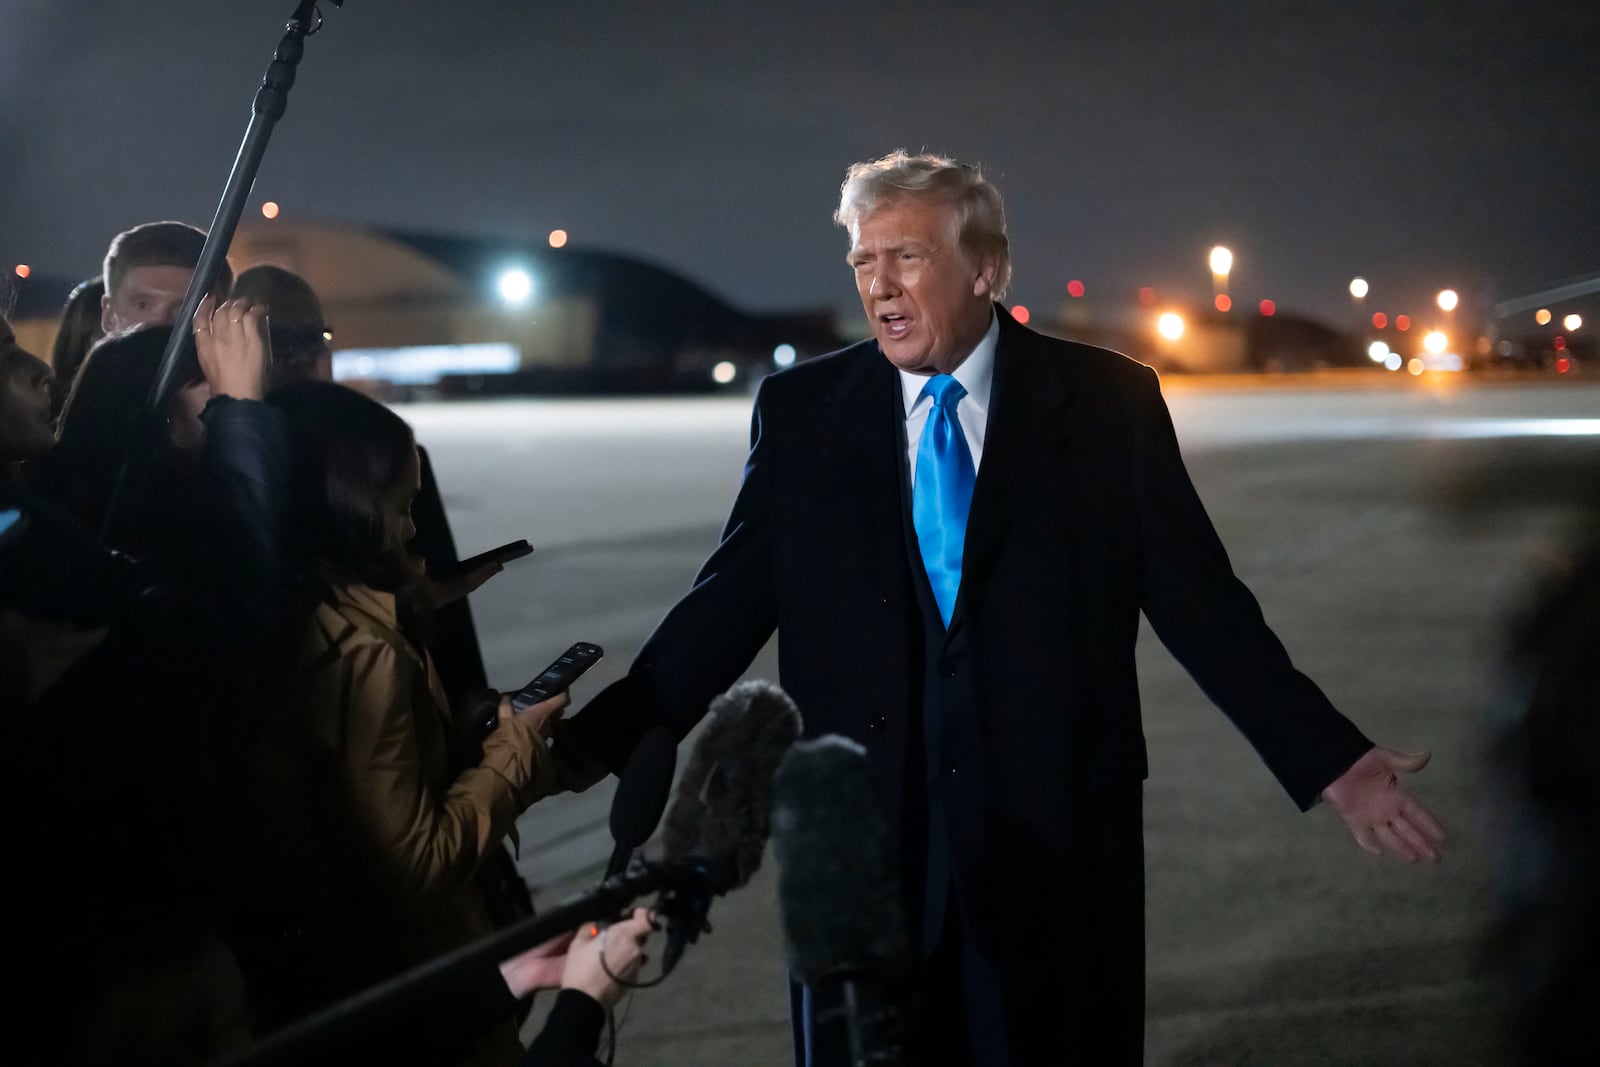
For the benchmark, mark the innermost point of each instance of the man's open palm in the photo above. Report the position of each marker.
(1378, 811)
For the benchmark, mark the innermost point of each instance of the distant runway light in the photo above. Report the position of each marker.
(1402, 322)
(1572, 322)
(1379, 320)
(1542, 316)
(1021, 314)
(558, 238)
(724, 372)
(1224, 302)
(1170, 325)
(1377, 351)
(1075, 288)
(784, 355)
(270, 209)
(23, 270)
(1268, 308)
(515, 285)
(1358, 287)
(1447, 299)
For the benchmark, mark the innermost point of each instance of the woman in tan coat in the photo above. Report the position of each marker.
(370, 809)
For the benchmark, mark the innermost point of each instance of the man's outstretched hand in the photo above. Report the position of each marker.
(1378, 811)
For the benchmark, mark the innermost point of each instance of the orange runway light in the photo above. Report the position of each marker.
(270, 209)
(1223, 302)
(558, 238)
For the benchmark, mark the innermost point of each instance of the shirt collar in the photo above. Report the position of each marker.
(976, 372)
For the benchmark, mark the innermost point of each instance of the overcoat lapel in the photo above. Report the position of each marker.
(1029, 427)
(863, 442)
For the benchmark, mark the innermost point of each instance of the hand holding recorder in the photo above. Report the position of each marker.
(543, 699)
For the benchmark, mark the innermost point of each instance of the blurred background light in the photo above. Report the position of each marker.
(1379, 320)
(1358, 288)
(1224, 302)
(1542, 316)
(1021, 314)
(558, 238)
(1378, 351)
(1393, 361)
(1221, 260)
(1075, 288)
(724, 372)
(1170, 325)
(1268, 308)
(1572, 322)
(1436, 341)
(1402, 322)
(784, 355)
(269, 209)
(1447, 299)
(515, 286)
(1414, 366)
(23, 270)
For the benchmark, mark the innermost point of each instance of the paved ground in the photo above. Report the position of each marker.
(1272, 939)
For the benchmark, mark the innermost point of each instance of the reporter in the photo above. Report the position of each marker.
(369, 820)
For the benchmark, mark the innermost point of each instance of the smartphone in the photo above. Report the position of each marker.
(504, 554)
(560, 675)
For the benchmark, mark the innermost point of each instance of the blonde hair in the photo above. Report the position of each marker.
(899, 176)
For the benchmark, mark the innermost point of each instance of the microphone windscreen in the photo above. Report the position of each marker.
(722, 810)
(842, 910)
(642, 790)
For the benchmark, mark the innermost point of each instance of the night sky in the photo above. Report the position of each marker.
(1418, 145)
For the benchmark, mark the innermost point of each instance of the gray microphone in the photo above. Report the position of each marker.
(843, 919)
(717, 827)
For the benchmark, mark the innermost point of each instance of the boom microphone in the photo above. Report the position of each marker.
(641, 795)
(843, 920)
(722, 814)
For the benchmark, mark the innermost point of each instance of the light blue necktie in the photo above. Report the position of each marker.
(941, 495)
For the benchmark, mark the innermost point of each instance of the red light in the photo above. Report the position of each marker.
(1223, 303)
(23, 270)
(1074, 288)
(1268, 308)
(1020, 313)
(1379, 320)
(1147, 295)
(1563, 365)
(1560, 343)
(1402, 322)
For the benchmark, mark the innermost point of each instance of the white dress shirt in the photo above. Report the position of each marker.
(976, 375)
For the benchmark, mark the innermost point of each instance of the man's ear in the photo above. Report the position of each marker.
(983, 282)
(105, 313)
